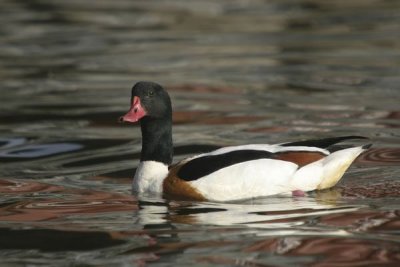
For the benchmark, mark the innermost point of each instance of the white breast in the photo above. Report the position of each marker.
(149, 177)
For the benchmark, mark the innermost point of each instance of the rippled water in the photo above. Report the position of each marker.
(238, 72)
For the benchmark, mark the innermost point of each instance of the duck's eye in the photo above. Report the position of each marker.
(150, 93)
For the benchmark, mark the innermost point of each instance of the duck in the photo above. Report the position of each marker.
(229, 173)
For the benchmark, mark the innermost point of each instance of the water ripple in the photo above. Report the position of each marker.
(381, 156)
(256, 71)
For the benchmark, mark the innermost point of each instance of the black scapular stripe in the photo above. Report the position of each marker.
(323, 143)
(202, 166)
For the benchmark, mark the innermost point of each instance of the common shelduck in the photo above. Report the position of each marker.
(229, 173)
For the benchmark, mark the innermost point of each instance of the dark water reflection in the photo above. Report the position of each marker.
(238, 72)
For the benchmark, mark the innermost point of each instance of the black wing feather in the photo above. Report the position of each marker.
(323, 143)
(202, 166)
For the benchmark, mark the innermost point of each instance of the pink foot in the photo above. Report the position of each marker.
(298, 193)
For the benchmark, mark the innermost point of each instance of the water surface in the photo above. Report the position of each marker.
(238, 72)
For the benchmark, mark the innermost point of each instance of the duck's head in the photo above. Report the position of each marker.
(149, 100)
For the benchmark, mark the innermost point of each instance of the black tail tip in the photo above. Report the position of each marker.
(366, 146)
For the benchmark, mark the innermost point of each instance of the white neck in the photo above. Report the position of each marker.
(149, 177)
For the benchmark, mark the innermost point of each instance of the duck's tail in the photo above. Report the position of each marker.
(337, 163)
